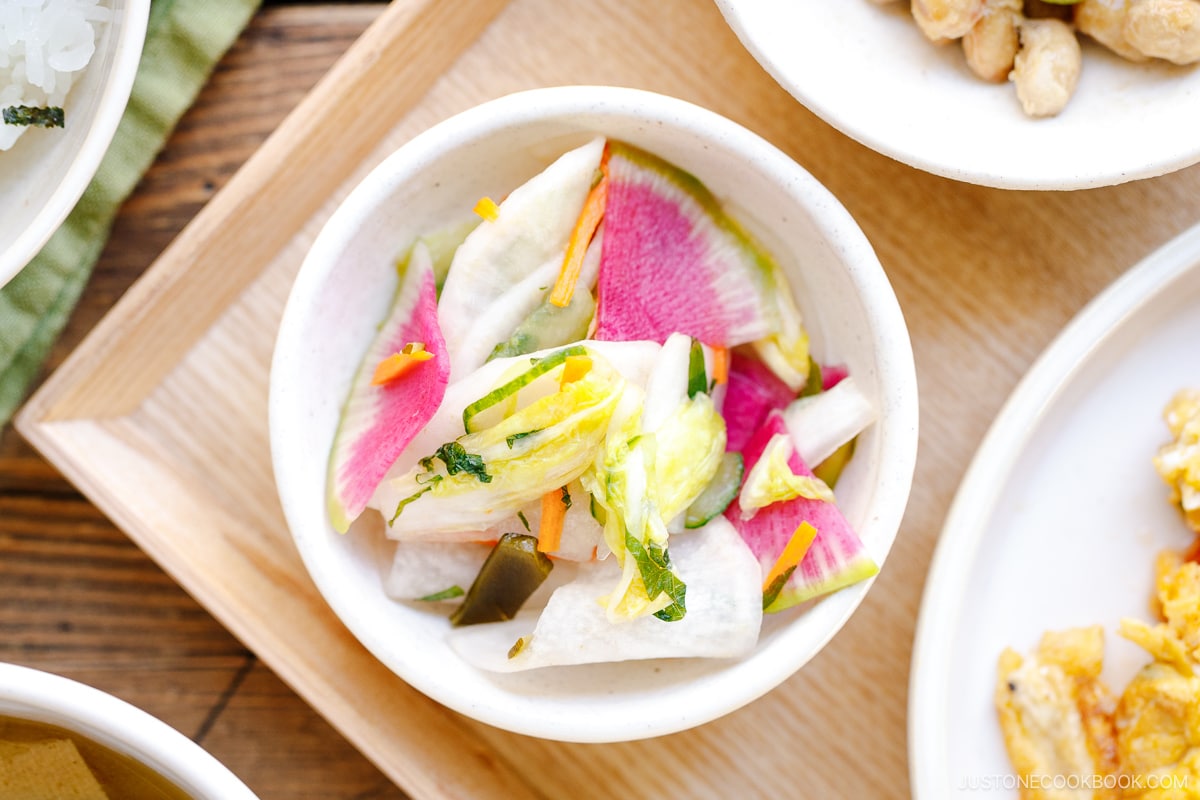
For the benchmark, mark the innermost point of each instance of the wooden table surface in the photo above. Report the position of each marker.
(986, 278)
(76, 596)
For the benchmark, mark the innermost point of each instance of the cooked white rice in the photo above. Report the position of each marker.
(44, 47)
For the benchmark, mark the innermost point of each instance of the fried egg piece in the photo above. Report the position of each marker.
(1158, 716)
(1178, 462)
(1057, 717)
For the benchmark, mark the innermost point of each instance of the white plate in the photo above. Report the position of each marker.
(868, 71)
(1058, 519)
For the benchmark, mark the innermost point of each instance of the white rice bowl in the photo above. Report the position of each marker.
(81, 56)
(44, 46)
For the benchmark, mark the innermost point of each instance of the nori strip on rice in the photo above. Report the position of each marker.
(45, 117)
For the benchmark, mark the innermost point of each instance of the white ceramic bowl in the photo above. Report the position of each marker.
(46, 172)
(42, 697)
(868, 71)
(342, 291)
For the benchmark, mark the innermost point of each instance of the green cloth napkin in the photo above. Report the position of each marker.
(184, 41)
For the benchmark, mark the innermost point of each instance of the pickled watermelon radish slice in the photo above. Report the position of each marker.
(832, 375)
(835, 559)
(378, 422)
(674, 262)
(753, 392)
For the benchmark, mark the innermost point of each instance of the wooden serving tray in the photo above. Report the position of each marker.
(160, 416)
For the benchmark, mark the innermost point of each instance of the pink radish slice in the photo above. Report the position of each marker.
(832, 375)
(836, 558)
(378, 422)
(753, 391)
(673, 262)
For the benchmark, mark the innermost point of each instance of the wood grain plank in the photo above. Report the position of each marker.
(417, 41)
(285, 52)
(77, 597)
(246, 736)
(120, 376)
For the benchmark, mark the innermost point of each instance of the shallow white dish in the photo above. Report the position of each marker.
(341, 293)
(868, 71)
(1058, 519)
(43, 697)
(46, 172)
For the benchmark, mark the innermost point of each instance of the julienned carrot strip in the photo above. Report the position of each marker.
(487, 208)
(574, 368)
(792, 554)
(581, 237)
(720, 365)
(554, 512)
(398, 364)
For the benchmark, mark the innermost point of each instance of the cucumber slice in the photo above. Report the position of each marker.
(443, 244)
(813, 385)
(472, 421)
(549, 326)
(597, 511)
(719, 493)
(831, 468)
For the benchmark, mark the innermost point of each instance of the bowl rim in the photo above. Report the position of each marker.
(36, 695)
(86, 161)
(751, 23)
(897, 378)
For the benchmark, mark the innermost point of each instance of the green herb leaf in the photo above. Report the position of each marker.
(457, 459)
(444, 594)
(524, 521)
(697, 376)
(509, 440)
(566, 498)
(400, 506)
(427, 478)
(654, 565)
(46, 117)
